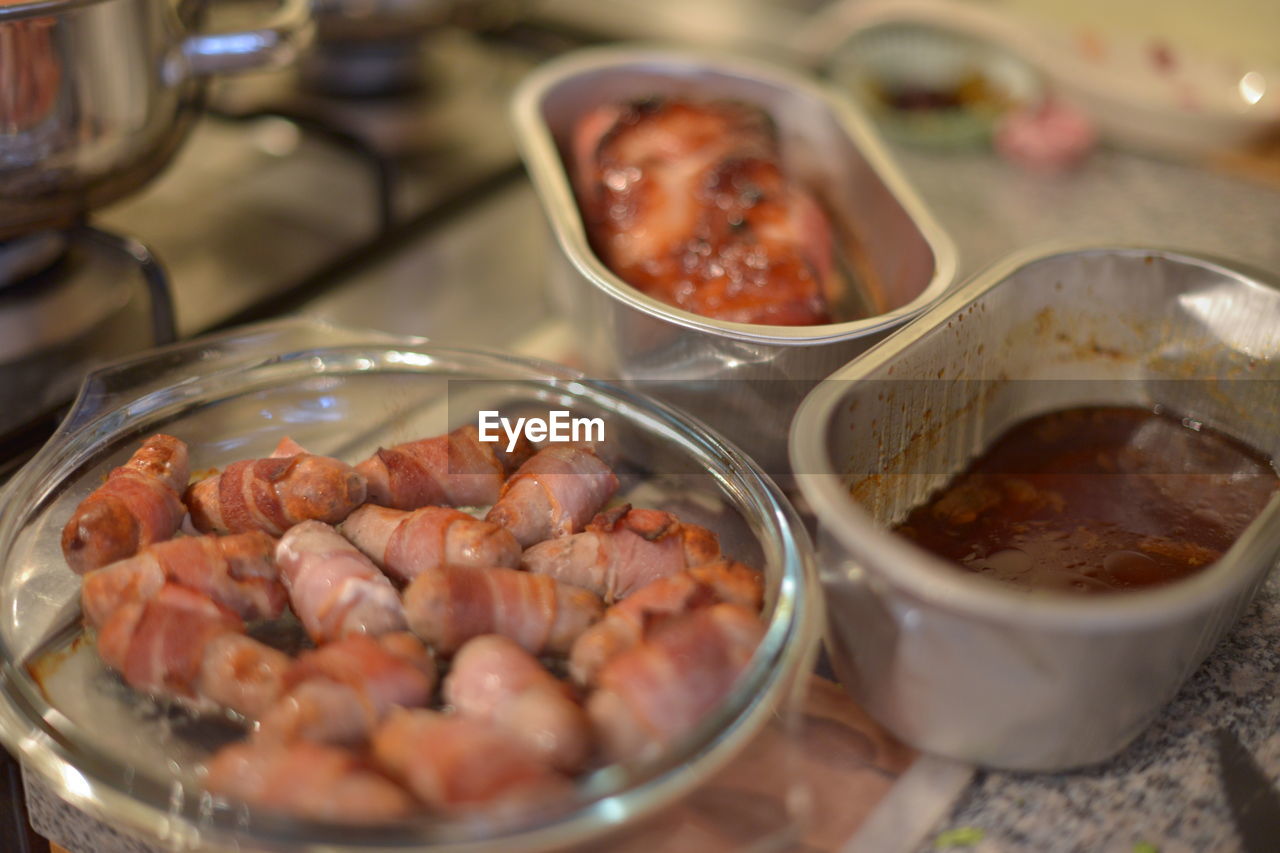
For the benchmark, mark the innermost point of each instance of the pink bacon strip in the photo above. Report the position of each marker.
(553, 494)
(494, 679)
(688, 201)
(242, 674)
(454, 469)
(138, 505)
(307, 780)
(405, 544)
(655, 692)
(452, 762)
(334, 588)
(238, 572)
(449, 605)
(624, 624)
(275, 493)
(623, 550)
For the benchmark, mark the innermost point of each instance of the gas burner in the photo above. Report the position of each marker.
(360, 69)
(69, 301)
(23, 258)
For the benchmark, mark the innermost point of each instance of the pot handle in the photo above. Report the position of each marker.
(277, 42)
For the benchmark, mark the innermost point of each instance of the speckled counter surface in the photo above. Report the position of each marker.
(1164, 789)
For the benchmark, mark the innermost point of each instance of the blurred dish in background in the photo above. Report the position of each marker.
(933, 86)
(1144, 93)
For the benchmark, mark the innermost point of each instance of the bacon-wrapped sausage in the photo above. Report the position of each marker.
(553, 494)
(655, 692)
(138, 505)
(341, 691)
(334, 588)
(448, 606)
(494, 679)
(454, 469)
(405, 544)
(238, 572)
(623, 550)
(306, 780)
(624, 624)
(275, 493)
(452, 762)
(242, 674)
(158, 645)
(688, 201)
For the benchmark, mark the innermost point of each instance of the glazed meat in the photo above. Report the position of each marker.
(555, 493)
(452, 762)
(238, 572)
(653, 693)
(494, 679)
(624, 624)
(455, 469)
(275, 493)
(448, 606)
(623, 550)
(406, 544)
(139, 504)
(335, 589)
(687, 200)
(307, 780)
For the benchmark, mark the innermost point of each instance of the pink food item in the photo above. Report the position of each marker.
(453, 762)
(448, 606)
(334, 588)
(688, 201)
(238, 572)
(455, 469)
(494, 679)
(625, 624)
(1048, 137)
(657, 691)
(623, 550)
(242, 674)
(307, 780)
(339, 692)
(275, 493)
(405, 544)
(555, 493)
(138, 505)
(158, 645)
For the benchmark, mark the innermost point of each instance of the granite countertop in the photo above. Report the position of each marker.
(1164, 789)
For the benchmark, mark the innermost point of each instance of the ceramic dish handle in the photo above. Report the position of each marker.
(278, 41)
(119, 388)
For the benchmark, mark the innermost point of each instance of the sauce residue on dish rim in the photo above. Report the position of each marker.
(1095, 500)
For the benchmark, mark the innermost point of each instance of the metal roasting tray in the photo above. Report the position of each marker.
(745, 380)
(132, 762)
(973, 669)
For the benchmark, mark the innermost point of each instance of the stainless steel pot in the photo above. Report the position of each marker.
(97, 95)
(974, 669)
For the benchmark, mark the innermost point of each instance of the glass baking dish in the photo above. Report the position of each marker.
(133, 762)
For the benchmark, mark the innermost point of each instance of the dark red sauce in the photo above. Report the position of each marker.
(1096, 500)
